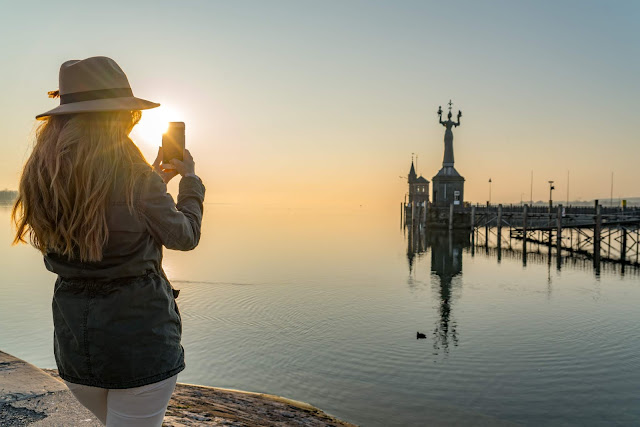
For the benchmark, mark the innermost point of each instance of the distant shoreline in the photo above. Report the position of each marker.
(7, 197)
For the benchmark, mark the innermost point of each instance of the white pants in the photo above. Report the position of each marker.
(131, 407)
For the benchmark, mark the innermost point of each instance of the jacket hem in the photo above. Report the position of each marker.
(131, 384)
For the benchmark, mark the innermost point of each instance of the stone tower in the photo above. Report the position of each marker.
(418, 187)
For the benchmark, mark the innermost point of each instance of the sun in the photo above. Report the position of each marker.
(153, 124)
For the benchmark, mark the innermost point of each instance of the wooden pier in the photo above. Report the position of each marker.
(602, 234)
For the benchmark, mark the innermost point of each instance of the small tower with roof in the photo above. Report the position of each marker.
(418, 187)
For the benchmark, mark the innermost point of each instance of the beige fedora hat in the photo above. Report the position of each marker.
(94, 84)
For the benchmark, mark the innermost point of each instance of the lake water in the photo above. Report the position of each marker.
(324, 307)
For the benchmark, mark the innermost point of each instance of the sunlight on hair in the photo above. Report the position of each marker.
(154, 123)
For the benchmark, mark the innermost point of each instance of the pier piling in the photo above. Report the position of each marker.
(499, 225)
(596, 235)
(623, 249)
(413, 212)
(426, 208)
(524, 232)
(473, 218)
(559, 234)
(559, 230)
(451, 216)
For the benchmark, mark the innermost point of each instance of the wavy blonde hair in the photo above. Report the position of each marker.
(67, 180)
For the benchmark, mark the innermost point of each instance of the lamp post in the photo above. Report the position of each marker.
(551, 188)
(489, 202)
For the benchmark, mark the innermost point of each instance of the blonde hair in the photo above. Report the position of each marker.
(67, 180)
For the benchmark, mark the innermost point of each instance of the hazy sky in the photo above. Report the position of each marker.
(322, 103)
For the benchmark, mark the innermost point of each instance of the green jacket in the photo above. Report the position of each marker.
(116, 321)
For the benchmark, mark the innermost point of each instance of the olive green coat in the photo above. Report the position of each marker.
(116, 322)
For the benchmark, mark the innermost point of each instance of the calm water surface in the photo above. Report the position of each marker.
(324, 307)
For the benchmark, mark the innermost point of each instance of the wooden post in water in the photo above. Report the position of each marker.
(596, 236)
(401, 213)
(451, 216)
(623, 250)
(486, 226)
(473, 218)
(473, 230)
(559, 230)
(559, 235)
(413, 212)
(524, 235)
(426, 208)
(550, 222)
(499, 224)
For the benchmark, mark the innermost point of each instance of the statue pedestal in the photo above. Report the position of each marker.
(448, 187)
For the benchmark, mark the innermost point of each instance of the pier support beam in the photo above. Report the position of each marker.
(413, 212)
(499, 233)
(473, 218)
(451, 216)
(559, 236)
(486, 226)
(623, 249)
(524, 235)
(596, 237)
(559, 230)
(426, 208)
(499, 225)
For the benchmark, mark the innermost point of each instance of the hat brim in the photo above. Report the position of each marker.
(96, 105)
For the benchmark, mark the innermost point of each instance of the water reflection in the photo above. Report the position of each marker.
(485, 242)
(446, 250)
(446, 264)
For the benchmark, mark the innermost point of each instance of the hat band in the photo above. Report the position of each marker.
(91, 95)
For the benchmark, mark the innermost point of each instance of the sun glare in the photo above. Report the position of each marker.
(153, 124)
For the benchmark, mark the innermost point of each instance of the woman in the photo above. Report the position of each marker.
(100, 214)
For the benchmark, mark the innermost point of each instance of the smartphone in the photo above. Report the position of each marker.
(173, 142)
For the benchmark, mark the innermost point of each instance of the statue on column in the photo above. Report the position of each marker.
(448, 135)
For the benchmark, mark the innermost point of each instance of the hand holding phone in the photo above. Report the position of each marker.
(186, 166)
(173, 144)
(165, 173)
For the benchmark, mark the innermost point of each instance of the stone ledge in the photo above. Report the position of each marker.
(196, 405)
(37, 397)
(29, 396)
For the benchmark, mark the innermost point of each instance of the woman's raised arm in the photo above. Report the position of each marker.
(176, 226)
